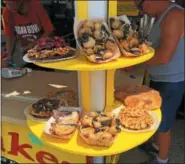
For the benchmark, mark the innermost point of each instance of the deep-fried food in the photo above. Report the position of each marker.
(135, 119)
(65, 123)
(43, 108)
(139, 97)
(99, 129)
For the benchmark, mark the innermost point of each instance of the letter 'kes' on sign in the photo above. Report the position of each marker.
(19, 145)
(16, 149)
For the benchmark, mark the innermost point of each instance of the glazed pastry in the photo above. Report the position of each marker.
(128, 54)
(99, 129)
(116, 24)
(84, 31)
(107, 54)
(111, 46)
(44, 107)
(97, 26)
(92, 57)
(118, 34)
(87, 121)
(97, 35)
(97, 47)
(61, 130)
(90, 43)
(139, 97)
(144, 48)
(129, 37)
(88, 24)
(124, 44)
(89, 51)
(133, 42)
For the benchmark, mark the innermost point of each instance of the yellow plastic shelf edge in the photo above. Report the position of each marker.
(124, 142)
(80, 63)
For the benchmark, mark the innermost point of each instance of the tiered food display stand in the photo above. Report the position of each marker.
(90, 77)
(96, 93)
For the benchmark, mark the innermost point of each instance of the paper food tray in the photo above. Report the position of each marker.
(48, 132)
(77, 26)
(126, 19)
(70, 109)
(153, 127)
(26, 58)
(47, 127)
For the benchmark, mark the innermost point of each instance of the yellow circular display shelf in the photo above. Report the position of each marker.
(81, 63)
(124, 142)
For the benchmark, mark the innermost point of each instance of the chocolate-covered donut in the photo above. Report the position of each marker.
(44, 107)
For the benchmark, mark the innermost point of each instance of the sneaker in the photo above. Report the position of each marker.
(180, 115)
(149, 148)
(153, 160)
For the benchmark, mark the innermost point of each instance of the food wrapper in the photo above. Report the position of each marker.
(99, 129)
(96, 142)
(78, 26)
(123, 51)
(67, 124)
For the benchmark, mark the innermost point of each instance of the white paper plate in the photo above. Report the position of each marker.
(116, 111)
(124, 18)
(153, 127)
(26, 59)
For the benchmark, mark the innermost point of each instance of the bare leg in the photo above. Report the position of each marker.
(164, 142)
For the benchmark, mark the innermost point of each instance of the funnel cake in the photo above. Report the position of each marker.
(50, 48)
(135, 119)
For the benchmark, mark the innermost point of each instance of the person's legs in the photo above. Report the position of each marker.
(164, 143)
(180, 113)
(172, 94)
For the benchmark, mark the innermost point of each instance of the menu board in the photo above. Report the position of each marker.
(126, 7)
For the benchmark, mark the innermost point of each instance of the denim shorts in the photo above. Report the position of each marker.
(172, 95)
